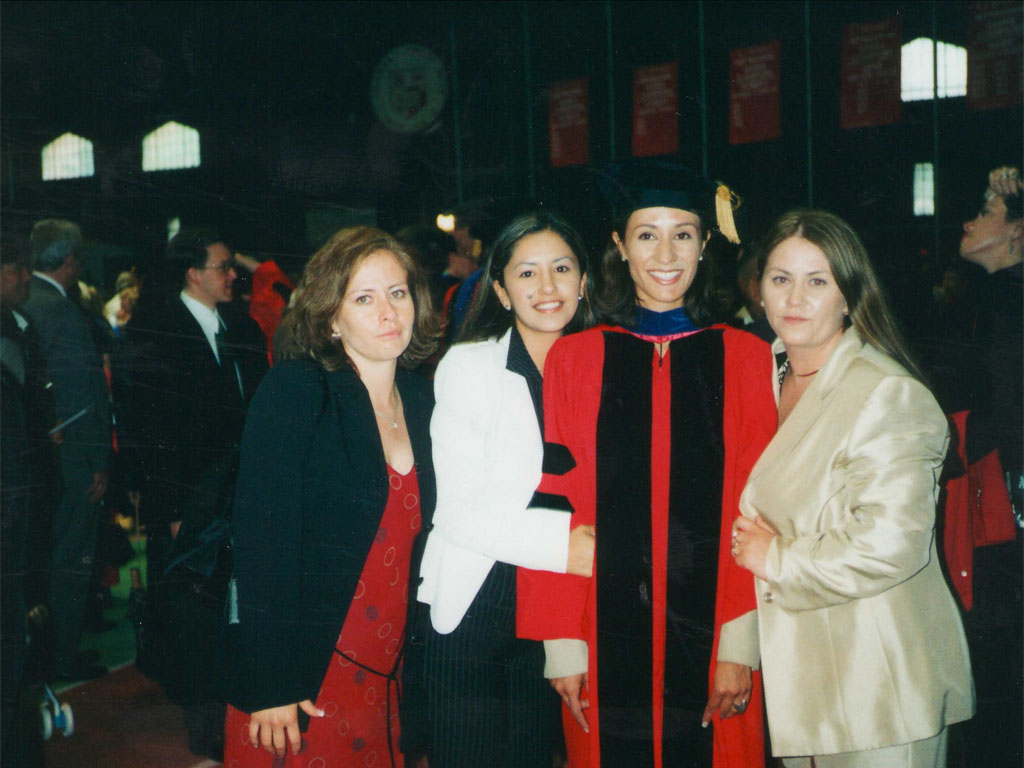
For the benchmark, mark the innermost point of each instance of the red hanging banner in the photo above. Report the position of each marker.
(871, 86)
(994, 54)
(656, 110)
(754, 93)
(569, 122)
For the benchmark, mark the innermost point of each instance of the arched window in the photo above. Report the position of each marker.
(170, 146)
(68, 157)
(917, 70)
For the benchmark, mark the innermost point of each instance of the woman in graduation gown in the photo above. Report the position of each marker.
(652, 423)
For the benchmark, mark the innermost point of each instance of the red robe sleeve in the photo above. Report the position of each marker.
(551, 605)
(749, 422)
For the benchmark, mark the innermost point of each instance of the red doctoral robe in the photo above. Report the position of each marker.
(654, 450)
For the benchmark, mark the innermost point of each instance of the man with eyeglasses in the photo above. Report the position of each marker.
(74, 371)
(195, 363)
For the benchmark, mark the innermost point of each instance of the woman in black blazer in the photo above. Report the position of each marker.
(334, 485)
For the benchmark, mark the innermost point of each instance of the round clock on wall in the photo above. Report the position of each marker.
(409, 88)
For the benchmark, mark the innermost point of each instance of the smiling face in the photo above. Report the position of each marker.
(377, 314)
(543, 283)
(662, 246)
(802, 300)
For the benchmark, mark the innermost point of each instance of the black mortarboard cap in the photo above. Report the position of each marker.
(638, 184)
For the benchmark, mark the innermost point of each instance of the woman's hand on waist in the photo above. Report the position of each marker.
(581, 551)
(277, 727)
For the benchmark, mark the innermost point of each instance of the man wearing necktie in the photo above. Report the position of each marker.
(74, 371)
(195, 363)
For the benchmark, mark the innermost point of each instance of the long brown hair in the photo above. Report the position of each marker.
(848, 259)
(307, 325)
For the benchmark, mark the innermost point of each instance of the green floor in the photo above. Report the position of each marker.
(117, 646)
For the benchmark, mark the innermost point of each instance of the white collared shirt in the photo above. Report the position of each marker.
(207, 318)
(52, 282)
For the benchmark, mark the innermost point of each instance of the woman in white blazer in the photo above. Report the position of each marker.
(488, 701)
(862, 648)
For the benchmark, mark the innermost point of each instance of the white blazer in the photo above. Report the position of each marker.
(487, 459)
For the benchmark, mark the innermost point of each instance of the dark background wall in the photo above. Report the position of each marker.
(290, 144)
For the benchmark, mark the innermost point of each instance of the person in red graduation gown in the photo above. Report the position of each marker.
(651, 426)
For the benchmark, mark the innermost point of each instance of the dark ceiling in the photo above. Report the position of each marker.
(280, 95)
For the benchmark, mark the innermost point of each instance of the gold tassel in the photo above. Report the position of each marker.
(723, 211)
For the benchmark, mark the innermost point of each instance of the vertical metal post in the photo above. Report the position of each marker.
(611, 80)
(936, 236)
(10, 171)
(702, 67)
(456, 127)
(528, 84)
(810, 111)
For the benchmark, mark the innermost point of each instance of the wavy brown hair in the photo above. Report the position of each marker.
(307, 326)
(854, 275)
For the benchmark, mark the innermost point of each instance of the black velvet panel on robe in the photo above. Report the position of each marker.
(695, 463)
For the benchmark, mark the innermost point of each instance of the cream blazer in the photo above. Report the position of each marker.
(487, 460)
(862, 646)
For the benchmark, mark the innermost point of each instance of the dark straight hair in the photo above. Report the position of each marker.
(487, 318)
(615, 299)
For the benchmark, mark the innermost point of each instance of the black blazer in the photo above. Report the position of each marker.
(312, 488)
(187, 411)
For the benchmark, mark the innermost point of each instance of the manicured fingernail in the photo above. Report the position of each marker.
(704, 724)
(320, 713)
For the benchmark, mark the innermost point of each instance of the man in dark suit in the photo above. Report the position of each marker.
(24, 422)
(75, 371)
(196, 363)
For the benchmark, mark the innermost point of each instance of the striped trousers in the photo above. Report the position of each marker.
(489, 704)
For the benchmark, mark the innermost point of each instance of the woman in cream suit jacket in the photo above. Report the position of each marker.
(862, 648)
(488, 701)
